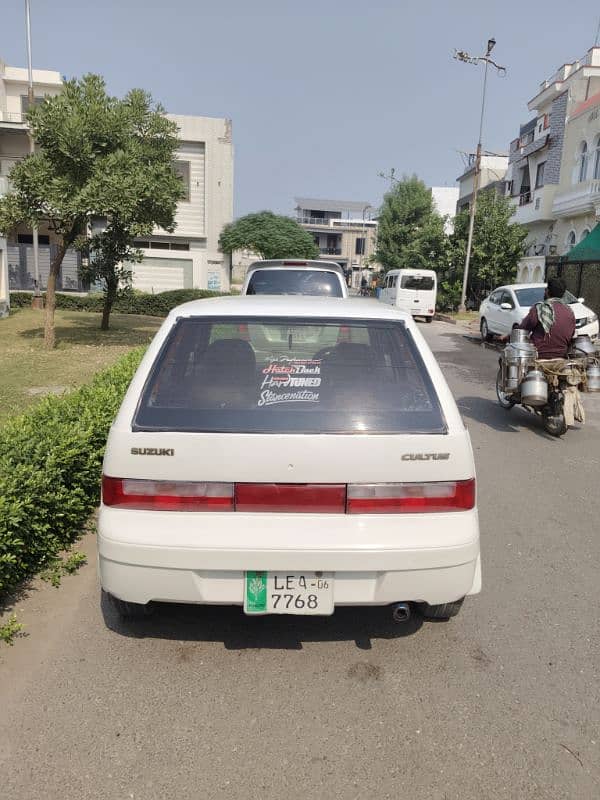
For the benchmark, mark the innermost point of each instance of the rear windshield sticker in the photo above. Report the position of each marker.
(282, 374)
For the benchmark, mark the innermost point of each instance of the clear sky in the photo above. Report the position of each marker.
(323, 95)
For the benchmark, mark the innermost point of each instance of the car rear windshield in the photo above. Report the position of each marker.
(289, 376)
(420, 283)
(531, 296)
(295, 281)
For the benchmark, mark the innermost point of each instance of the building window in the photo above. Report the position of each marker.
(585, 232)
(539, 175)
(359, 247)
(597, 160)
(27, 238)
(583, 162)
(182, 170)
(37, 101)
(180, 245)
(160, 246)
(571, 239)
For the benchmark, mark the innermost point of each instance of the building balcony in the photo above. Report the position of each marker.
(583, 199)
(13, 118)
(330, 251)
(320, 221)
(534, 205)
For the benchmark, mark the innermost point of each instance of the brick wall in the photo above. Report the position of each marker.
(557, 136)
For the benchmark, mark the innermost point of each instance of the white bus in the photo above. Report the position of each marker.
(411, 290)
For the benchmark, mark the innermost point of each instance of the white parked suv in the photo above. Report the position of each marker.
(507, 306)
(296, 276)
(289, 455)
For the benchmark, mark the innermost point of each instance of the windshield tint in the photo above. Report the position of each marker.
(424, 283)
(295, 281)
(531, 296)
(290, 375)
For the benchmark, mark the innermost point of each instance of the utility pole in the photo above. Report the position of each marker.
(37, 301)
(460, 55)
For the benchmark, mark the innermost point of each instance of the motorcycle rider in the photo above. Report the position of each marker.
(551, 323)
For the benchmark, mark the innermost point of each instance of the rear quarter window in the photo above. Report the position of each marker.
(289, 376)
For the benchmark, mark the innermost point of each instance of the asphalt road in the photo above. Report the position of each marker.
(502, 702)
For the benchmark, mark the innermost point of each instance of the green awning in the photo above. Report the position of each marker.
(588, 249)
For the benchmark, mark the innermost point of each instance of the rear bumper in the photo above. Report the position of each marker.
(201, 558)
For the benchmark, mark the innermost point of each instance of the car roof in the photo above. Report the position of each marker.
(264, 305)
(296, 263)
(521, 286)
(411, 269)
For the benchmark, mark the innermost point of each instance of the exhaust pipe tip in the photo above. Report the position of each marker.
(401, 612)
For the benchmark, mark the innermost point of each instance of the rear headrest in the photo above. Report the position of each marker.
(232, 355)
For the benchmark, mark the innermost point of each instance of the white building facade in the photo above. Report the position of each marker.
(190, 257)
(554, 172)
(16, 253)
(445, 199)
(492, 175)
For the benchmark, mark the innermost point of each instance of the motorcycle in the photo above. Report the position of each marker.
(549, 388)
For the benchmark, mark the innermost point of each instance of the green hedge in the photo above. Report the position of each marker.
(50, 462)
(157, 305)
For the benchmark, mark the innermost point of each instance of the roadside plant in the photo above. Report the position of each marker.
(10, 629)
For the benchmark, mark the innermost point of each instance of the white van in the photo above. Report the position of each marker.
(289, 455)
(411, 290)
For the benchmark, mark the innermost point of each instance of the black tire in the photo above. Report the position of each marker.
(555, 426)
(428, 319)
(443, 611)
(129, 611)
(486, 336)
(505, 400)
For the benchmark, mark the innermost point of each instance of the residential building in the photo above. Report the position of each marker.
(553, 164)
(445, 199)
(16, 253)
(190, 257)
(187, 258)
(491, 178)
(343, 231)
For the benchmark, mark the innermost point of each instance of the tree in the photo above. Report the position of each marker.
(497, 246)
(110, 257)
(98, 156)
(410, 232)
(270, 235)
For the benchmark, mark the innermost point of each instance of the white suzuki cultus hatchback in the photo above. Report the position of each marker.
(289, 455)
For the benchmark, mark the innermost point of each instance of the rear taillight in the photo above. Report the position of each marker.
(167, 495)
(410, 498)
(291, 498)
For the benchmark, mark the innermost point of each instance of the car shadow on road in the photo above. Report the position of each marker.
(489, 412)
(229, 624)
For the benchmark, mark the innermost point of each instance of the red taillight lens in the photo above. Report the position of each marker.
(167, 495)
(291, 498)
(410, 498)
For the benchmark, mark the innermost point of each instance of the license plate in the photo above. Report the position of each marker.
(288, 593)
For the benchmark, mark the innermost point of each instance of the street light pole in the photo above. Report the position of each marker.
(465, 57)
(31, 102)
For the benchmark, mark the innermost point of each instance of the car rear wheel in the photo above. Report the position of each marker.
(485, 331)
(443, 611)
(128, 611)
(428, 319)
